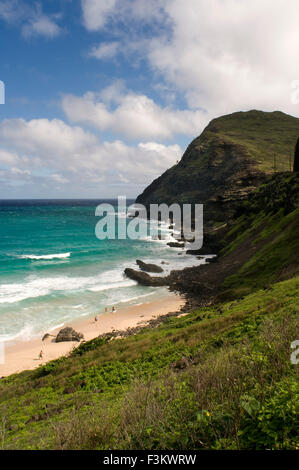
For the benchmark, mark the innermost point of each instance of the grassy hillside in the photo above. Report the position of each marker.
(256, 249)
(263, 134)
(269, 228)
(220, 377)
(229, 160)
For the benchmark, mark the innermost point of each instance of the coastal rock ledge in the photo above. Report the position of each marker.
(148, 267)
(68, 334)
(145, 279)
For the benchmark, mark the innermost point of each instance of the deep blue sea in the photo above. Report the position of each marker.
(53, 269)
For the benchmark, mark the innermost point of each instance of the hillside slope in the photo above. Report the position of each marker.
(257, 248)
(233, 156)
(219, 377)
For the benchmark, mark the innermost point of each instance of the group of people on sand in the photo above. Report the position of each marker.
(96, 318)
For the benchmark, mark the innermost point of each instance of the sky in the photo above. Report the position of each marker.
(102, 96)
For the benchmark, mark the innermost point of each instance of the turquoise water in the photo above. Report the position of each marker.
(53, 269)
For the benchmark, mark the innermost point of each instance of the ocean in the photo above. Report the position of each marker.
(53, 268)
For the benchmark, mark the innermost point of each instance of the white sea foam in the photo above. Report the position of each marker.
(25, 334)
(112, 285)
(56, 326)
(130, 299)
(40, 286)
(46, 257)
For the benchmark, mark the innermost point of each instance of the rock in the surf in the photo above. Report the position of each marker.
(145, 279)
(176, 245)
(148, 267)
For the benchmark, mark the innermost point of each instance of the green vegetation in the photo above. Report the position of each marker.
(265, 135)
(268, 225)
(219, 377)
(232, 157)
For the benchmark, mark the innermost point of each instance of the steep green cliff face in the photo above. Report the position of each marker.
(233, 156)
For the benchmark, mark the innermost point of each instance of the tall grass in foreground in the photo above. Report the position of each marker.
(218, 378)
(244, 397)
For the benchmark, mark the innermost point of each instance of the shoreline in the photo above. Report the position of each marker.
(23, 355)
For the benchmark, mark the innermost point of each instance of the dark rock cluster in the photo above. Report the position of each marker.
(68, 334)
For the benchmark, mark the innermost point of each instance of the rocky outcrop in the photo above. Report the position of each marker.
(176, 245)
(145, 279)
(47, 336)
(148, 267)
(228, 161)
(68, 334)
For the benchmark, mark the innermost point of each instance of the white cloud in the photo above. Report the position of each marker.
(31, 18)
(41, 25)
(9, 10)
(17, 171)
(105, 50)
(76, 159)
(59, 178)
(8, 158)
(221, 55)
(96, 13)
(134, 116)
(230, 55)
(47, 137)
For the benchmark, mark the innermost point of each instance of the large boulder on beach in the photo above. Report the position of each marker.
(148, 267)
(68, 334)
(145, 279)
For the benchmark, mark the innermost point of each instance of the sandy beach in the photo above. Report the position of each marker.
(24, 355)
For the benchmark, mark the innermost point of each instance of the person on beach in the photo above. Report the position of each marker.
(96, 318)
(41, 355)
(113, 309)
(106, 309)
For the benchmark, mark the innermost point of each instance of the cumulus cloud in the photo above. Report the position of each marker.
(41, 25)
(221, 55)
(32, 20)
(74, 158)
(133, 115)
(230, 55)
(9, 10)
(8, 158)
(96, 13)
(105, 50)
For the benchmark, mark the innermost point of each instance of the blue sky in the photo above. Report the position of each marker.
(102, 96)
